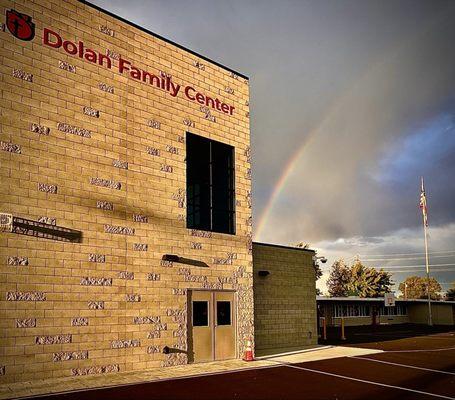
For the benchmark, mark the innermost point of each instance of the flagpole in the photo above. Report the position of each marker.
(430, 319)
(425, 226)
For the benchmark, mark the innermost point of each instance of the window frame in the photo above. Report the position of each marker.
(230, 212)
(398, 310)
(217, 312)
(352, 311)
(193, 314)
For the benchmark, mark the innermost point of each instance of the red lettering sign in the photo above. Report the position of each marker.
(163, 82)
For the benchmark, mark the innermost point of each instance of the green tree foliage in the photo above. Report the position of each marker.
(450, 295)
(416, 288)
(368, 281)
(357, 280)
(339, 279)
(317, 270)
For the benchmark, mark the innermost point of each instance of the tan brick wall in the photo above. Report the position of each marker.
(285, 300)
(89, 148)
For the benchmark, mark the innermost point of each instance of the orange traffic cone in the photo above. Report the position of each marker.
(248, 352)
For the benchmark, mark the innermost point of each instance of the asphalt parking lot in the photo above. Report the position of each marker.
(416, 363)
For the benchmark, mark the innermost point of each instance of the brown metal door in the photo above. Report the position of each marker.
(211, 326)
(224, 325)
(201, 326)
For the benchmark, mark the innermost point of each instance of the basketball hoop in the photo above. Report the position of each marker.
(389, 300)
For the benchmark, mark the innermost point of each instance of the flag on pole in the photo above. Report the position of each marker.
(423, 203)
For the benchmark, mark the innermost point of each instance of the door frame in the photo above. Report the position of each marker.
(235, 312)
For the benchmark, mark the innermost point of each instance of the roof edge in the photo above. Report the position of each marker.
(285, 247)
(381, 299)
(87, 3)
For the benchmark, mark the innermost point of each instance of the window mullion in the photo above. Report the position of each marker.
(211, 185)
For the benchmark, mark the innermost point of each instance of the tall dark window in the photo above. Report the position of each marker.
(210, 185)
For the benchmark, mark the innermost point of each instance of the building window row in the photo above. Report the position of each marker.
(396, 310)
(360, 310)
(351, 310)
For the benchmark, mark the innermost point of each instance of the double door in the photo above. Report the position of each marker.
(211, 326)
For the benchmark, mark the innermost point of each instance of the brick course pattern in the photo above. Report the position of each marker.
(285, 300)
(83, 131)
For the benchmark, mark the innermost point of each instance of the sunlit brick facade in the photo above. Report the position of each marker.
(94, 118)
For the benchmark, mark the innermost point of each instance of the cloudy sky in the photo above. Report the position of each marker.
(351, 102)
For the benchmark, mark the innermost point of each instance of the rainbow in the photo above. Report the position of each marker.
(374, 67)
(281, 183)
(293, 161)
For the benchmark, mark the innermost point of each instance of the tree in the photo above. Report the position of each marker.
(415, 287)
(368, 281)
(318, 274)
(339, 279)
(317, 268)
(450, 295)
(358, 280)
(302, 245)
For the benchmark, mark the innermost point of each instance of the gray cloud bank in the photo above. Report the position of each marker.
(400, 252)
(354, 76)
(333, 192)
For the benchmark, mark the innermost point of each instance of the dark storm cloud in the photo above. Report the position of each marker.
(359, 77)
(334, 185)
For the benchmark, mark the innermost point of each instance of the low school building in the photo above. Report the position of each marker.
(370, 311)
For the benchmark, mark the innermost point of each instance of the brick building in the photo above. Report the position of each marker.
(284, 298)
(126, 197)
